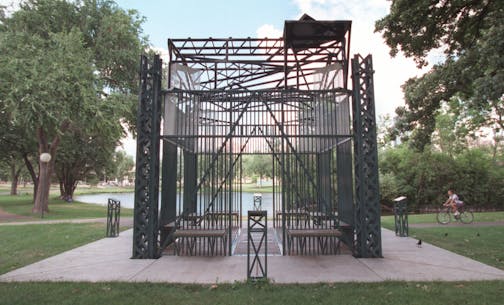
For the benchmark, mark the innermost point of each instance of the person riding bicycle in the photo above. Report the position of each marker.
(453, 201)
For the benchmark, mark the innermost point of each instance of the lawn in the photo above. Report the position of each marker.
(253, 188)
(389, 293)
(58, 209)
(25, 244)
(388, 221)
(484, 244)
(22, 245)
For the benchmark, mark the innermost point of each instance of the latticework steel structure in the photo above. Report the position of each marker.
(287, 98)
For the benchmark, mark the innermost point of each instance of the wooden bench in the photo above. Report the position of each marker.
(318, 218)
(325, 239)
(190, 237)
(293, 217)
(214, 217)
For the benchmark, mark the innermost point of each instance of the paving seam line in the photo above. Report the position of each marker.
(131, 278)
(501, 273)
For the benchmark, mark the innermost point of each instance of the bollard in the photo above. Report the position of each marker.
(113, 216)
(401, 216)
(257, 201)
(257, 240)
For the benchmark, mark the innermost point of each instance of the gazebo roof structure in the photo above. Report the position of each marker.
(263, 63)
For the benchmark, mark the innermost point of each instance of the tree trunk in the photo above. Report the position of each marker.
(33, 175)
(69, 184)
(15, 178)
(67, 180)
(41, 203)
(62, 188)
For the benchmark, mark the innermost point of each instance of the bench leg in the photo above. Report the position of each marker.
(224, 244)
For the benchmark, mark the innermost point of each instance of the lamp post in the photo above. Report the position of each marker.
(45, 158)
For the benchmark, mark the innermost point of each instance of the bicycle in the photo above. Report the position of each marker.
(444, 216)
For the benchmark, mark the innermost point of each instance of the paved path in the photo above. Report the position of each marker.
(109, 260)
(124, 221)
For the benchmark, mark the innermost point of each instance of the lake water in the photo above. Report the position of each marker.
(127, 200)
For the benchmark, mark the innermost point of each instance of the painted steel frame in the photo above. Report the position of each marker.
(145, 220)
(278, 65)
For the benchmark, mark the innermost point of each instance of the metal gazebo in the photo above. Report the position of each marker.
(288, 98)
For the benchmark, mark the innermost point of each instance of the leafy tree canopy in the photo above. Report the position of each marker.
(472, 35)
(68, 67)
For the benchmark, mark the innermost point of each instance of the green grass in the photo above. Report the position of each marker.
(81, 189)
(58, 209)
(489, 292)
(253, 188)
(25, 244)
(105, 189)
(487, 248)
(388, 221)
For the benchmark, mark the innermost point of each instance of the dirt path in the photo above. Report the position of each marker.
(7, 217)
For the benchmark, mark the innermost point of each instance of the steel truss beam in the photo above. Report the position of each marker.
(250, 63)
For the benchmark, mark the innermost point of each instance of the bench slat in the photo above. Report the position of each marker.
(200, 233)
(314, 233)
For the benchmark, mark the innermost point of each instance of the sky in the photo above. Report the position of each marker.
(265, 18)
(261, 18)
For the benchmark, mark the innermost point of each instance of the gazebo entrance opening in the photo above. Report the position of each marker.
(287, 98)
(303, 132)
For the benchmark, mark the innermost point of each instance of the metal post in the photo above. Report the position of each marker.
(257, 237)
(113, 216)
(401, 216)
(257, 201)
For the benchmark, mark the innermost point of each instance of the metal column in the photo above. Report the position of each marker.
(367, 193)
(145, 227)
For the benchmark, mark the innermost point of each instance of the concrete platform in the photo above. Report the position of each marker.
(109, 260)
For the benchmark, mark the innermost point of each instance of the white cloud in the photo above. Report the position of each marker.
(268, 31)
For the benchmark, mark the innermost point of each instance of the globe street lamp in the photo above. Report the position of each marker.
(44, 158)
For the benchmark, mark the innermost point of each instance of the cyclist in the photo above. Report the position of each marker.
(453, 201)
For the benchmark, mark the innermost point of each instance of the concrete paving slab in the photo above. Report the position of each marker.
(316, 269)
(203, 270)
(109, 260)
(404, 260)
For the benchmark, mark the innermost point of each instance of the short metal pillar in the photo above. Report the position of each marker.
(257, 202)
(113, 216)
(257, 237)
(401, 216)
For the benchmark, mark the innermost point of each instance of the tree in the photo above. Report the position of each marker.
(83, 151)
(62, 63)
(261, 165)
(56, 82)
(472, 35)
(123, 164)
(451, 130)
